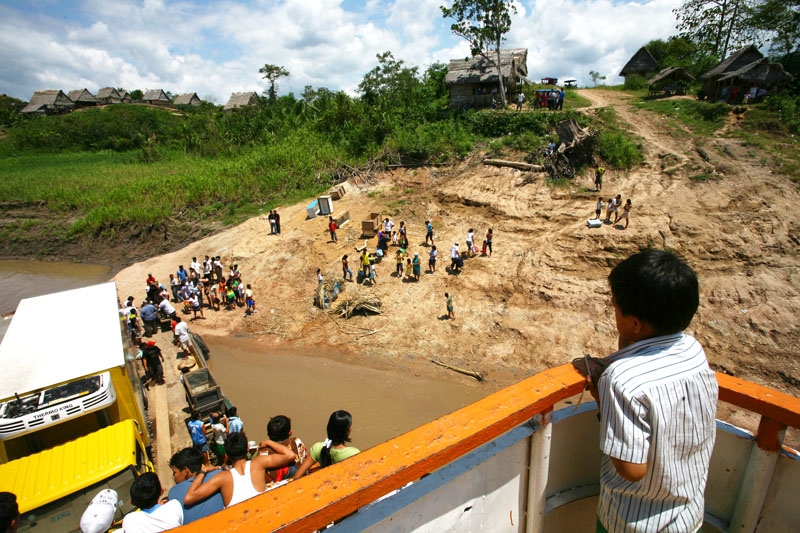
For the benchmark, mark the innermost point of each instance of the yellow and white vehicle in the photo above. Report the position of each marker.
(72, 417)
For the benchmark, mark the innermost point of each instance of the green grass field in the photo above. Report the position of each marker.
(112, 189)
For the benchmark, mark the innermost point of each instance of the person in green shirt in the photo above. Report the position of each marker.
(450, 307)
(598, 178)
(334, 449)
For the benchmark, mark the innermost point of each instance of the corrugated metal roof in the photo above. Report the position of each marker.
(58, 472)
(47, 341)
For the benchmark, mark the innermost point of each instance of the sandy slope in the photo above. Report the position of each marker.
(542, 299)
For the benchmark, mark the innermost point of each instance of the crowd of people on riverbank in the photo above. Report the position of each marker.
(408, 263)
(204, 285)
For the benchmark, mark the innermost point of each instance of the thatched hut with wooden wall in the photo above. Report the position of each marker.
(642, 63)
(108, 95)
(473, 81)
(156, 97)
(50, 102)
(671, 80)
(124, 96)
(741, 58)
(82, 98)
(238, 100)
(187, 99)
(759, 75)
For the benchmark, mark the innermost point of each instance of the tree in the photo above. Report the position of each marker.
(390, 78)
(780, 19)
(718, 25)
(136, 94)
(595, 76)
(681, 52)
(273, 73)
(483, 23)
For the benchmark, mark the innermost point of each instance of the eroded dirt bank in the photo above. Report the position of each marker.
(542, 298)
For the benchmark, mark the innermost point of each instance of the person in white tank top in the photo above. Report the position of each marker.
(245, 479)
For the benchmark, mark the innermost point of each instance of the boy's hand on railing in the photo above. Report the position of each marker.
(590, 368)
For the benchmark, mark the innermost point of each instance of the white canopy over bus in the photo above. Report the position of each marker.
(60, 337)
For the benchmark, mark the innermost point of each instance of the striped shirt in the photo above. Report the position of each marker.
(658, 402)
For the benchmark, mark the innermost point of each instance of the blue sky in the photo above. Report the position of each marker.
(215, 48)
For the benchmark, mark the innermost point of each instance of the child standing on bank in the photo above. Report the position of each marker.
(657, 398)
(599, 208)
(451, 314)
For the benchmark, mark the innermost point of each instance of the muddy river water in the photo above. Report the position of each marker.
(383, 403)
(25, 279)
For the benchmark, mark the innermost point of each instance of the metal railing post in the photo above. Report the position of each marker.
(757, 476)
(538, 468)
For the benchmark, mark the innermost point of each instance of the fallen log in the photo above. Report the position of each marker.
(514, 164)
(470, 373)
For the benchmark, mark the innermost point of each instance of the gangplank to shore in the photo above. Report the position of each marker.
(509, 462)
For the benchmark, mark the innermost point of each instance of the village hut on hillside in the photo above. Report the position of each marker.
(473, 81)
(108, 95)
(50, 102)
(82, 98)
(187, 99)
(156, 97)
(238, 100)
(752, 81)
(671, 80)
(712, 88)
(124, 96)
(642, 63)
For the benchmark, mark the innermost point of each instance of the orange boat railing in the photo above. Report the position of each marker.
(343, 488)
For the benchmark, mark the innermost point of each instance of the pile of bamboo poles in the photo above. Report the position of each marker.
(362, 302)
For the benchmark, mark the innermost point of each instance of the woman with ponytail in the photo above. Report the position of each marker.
(334, 449)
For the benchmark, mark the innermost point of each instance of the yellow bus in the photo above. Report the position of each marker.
(72, 412)
(66, 372)
(55, 486)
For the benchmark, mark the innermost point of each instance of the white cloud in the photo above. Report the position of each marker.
(217, 48)
(575, 36)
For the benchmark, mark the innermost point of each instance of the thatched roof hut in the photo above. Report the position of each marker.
(471, 80)
(762, 73)
(49, 102)
(642, 63)
(238, 100)
(124, 96)
(187, 99)
(82, 98)
(475, 70)
(108, 95)
(735, 61)
(156, 97)
(671, 80)
(671, 75)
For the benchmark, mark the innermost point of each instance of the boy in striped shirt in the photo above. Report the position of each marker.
(657, 398)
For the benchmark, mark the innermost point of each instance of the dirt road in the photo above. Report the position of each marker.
(542, 298)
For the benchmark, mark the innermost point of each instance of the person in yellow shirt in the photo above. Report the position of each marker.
(400, 256)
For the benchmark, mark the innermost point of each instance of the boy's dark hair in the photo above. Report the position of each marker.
(232, 411)
(658, 288)
(9, 510)
(145, 490)
(187, 458)
(236, 446)
(278, 428)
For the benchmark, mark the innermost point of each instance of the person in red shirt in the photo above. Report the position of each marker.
(332, 229)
